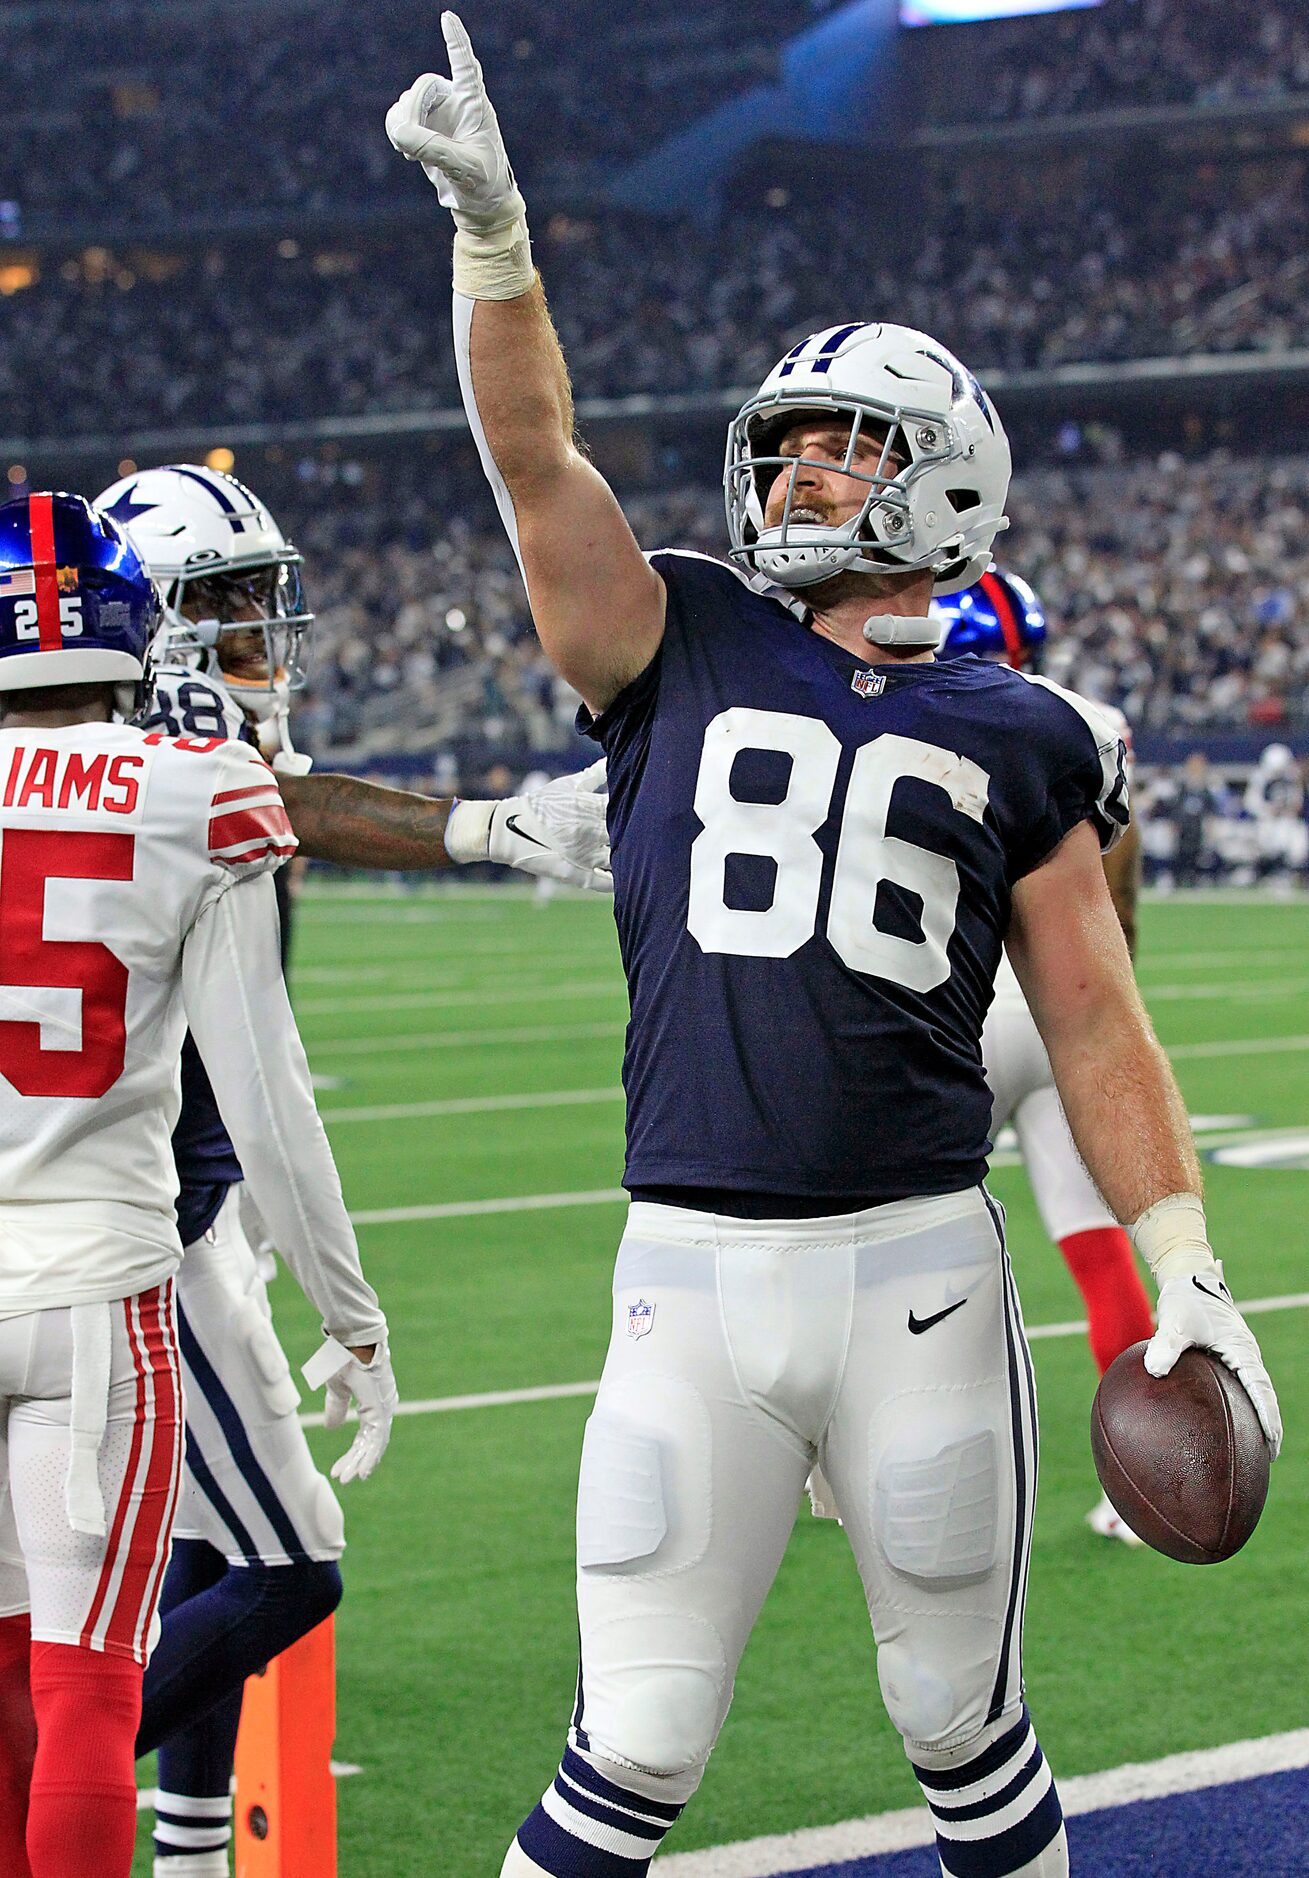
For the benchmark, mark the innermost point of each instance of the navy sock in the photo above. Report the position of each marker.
(221, 1624)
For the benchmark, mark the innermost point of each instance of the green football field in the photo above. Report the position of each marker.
(468, 1047)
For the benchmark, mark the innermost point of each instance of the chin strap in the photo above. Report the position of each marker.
(894, 629)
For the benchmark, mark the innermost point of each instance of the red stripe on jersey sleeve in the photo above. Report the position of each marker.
(259, 787)
(264, 824)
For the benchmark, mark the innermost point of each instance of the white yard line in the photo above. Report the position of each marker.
(1082, 1793)
(1236, 1046)
(1186, 961)
(1227, 992)
(464, 1039)
(563, 1391)
(473, 1105)
(526, 993)
(473, 1209)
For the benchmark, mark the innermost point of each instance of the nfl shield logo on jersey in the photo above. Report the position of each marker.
(640, 1318)
(868, 684)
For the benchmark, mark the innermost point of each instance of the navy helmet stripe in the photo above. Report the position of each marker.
(218, 493)
(823, 363)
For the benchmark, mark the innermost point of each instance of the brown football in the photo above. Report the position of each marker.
(1182, 1457)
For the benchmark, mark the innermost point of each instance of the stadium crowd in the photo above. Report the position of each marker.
(1131, 52)
(1177, 590)
(173, 80)
(244, 336)
(162, 83)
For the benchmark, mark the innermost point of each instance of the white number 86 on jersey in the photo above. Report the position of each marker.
(866, 855)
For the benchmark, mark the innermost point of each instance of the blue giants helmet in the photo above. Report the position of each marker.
(77, 606)
(999, 618)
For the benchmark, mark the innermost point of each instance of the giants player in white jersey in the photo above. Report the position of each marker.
(135, 897)
(1002, 618)
(259, 1531)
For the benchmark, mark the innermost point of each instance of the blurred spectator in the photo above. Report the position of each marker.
(1128, 52)
(1193, 807)
(240, 335)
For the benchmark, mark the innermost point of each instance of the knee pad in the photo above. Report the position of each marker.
(655, 1695)
(936, 1505)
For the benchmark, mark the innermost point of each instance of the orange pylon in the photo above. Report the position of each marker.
(285, 1825)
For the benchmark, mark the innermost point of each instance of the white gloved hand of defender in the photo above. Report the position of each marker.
(559, 831)
(1195, 1310)
(449, 126)
(371, 1387)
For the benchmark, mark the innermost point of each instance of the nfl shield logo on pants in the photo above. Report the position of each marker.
(640, 1318)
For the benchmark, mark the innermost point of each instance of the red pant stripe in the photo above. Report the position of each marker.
(140, 1433)
(174, 1371)
(155, 1501)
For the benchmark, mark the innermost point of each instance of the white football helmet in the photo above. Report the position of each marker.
(204, 536)
(936, 497)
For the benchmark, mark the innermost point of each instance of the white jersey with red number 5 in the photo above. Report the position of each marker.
(113, 845)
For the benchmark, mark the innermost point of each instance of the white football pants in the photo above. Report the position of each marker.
(250, 1486)
(888, 1346)
(1023, 1092)
(99, 1591)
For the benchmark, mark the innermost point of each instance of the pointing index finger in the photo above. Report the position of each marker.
(464, 68)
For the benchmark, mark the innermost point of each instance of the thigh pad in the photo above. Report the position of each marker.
(936, 1507)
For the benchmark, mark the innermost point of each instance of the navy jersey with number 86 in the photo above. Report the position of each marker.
(813, 860)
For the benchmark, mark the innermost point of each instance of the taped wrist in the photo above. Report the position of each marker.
(494, 263)
(1172, 1239)
(468, 831)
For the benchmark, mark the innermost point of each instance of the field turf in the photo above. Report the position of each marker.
(457, 1640)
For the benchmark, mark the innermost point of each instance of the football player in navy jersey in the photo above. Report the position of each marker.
(260, 1531)
(822, 838)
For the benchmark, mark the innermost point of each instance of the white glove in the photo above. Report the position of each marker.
(1196, 1312)
(449, 126)
(371, 1386)
(559, 831)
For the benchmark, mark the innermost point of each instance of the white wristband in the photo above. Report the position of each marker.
(1172, 1239)
(496, 264)
(468, 831)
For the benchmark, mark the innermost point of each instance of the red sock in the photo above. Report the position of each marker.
(82, 1814)
(17, 1744)
(1116, 1303)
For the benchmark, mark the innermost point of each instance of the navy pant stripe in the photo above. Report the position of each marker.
(229, 1420)
(999, 1694)
(199, 1467)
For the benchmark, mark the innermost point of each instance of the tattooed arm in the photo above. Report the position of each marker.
(361, 824)
(558, 831)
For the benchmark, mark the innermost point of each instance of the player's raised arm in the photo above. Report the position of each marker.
(598, 605)
(1124, 1107)
(558, 831)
